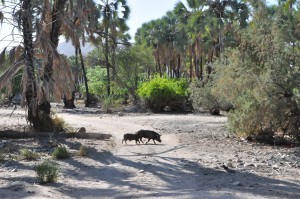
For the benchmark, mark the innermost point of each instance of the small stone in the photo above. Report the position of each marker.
(237, 183)
(142, 171)
(120, 114)
(230, 165)
(81, 130)
(250, 165)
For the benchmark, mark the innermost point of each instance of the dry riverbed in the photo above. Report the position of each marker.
(196, 159)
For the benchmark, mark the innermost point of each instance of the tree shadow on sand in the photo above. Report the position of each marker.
(176, 177)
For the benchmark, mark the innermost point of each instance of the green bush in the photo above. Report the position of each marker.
(97, 81)
(108, 102)
(29, 155)
(160, 92)
(47, 172)
(60, 153)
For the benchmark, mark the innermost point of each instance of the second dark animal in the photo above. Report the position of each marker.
(151, 135)
(129, 136)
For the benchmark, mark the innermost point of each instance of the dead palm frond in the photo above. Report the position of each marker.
(2, 56)
(7, 76)
(63, 78)
(1, 17)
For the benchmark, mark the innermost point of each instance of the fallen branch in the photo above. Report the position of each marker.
(22, 135)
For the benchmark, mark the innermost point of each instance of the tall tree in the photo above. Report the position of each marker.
(113, 15)
(31, 86)
(24, 56)
(82, 24)
(53, 71)
(54, 17)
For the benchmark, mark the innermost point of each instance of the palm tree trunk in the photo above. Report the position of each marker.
(54, 39)
(191, 64)
(88, 101)
(178, 67)
(106, 60)
(201, 67)
(31, 87)
(159, 65)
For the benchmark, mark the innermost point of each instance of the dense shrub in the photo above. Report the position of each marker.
(47, 172)
(202, 96)
(29, 155)
(261, 80)
(60, 153)
(160, 92)
(97, 81)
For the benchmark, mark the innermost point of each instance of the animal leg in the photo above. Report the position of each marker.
(141, 139)
(148, 140)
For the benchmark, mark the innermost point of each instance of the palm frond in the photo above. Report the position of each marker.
(12, 54)
(17, 16)
(46, 19)
(62, 77)
(2, 57)
(1, 17)
(5, 78)
(15, 53)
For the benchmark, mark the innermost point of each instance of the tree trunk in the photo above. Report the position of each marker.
(54, 39)
(177, 72)
(106, 59)
(191, 64)
(88, 100)
(31, 87)
(201, 67)
(69, 103)
(159, 66)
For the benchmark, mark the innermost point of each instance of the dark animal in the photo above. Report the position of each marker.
(148, 134)
(129, 136)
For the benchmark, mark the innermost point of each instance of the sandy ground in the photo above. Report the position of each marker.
(196, 159)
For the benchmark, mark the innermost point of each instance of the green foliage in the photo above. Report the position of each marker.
(96, 80)
(161, 91)
(29, 155)
(260, 78)
(132, 63)
(108, 101)
(47, 172)
(60, 153)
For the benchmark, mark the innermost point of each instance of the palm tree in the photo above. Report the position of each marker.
(53, 32)
(24, 56)
(206, 22)
(113, 13)
(84, 21)
(73, 19)
(31, 86)
(53, 75)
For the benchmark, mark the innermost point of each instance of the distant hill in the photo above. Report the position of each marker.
(68, 49)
